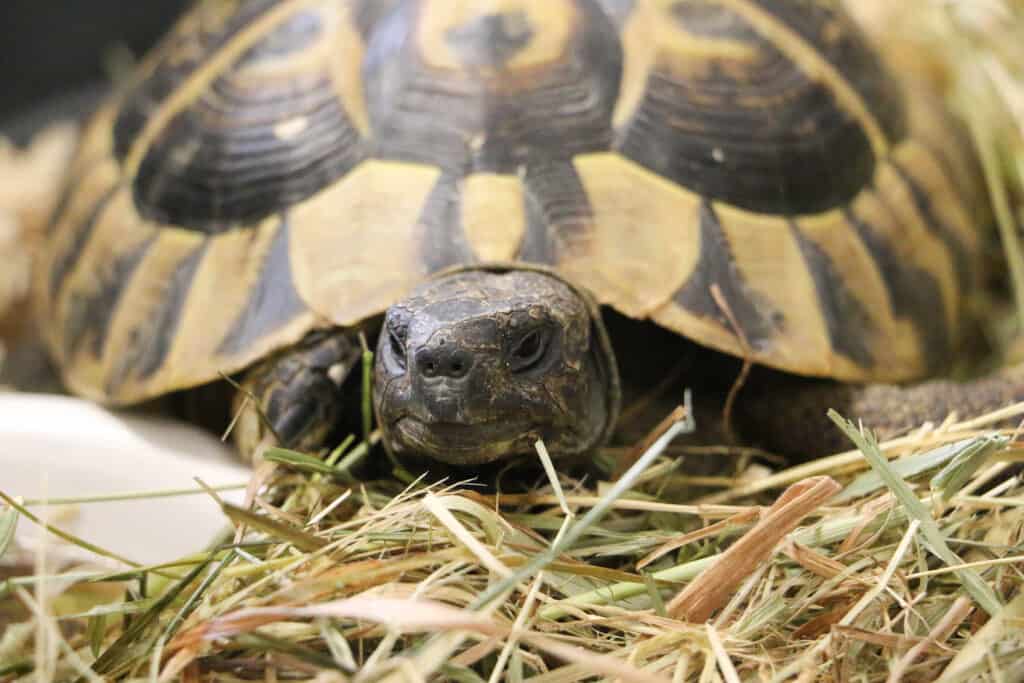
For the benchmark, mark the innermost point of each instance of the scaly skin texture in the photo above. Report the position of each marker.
(789, 415)
(297, 394)
(476, 366)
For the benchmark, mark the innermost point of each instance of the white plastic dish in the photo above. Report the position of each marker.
(60, 447)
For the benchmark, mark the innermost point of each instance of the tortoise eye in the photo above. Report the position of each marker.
(528, 353)
(397, 348)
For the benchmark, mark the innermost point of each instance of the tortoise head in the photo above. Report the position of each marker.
(476, 365)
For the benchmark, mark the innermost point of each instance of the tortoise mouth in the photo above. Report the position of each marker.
(460, 443)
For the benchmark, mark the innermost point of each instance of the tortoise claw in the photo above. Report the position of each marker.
(295, 399)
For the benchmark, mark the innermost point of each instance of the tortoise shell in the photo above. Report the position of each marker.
(743, 172)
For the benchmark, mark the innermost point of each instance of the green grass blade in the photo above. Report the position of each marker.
(955, 475)
(8, 525)
(300, 461)
(193, 600)
(279, 530)
(60, 533)
(121, 650)
(916, 464)
(933, 537)
(367, 406)
(96, 627)
(682, 425)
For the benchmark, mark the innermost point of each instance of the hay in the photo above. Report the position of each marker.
(341, 581)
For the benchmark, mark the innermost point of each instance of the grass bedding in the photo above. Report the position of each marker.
(900, 561)
(909, 569)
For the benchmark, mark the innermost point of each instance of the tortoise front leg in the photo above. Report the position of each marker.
(295, 398)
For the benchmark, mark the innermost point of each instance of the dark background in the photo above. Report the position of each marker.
(50, 50)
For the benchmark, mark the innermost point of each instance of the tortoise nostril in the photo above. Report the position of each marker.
(447, 361)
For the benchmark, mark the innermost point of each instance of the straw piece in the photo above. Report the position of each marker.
(960, 610)
(1004, 624)
(721, 656)
(699, 600)
(437, 508)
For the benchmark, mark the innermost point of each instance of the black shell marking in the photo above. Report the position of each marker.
(284, 165)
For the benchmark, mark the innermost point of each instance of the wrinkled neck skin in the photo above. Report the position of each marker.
(477, 365)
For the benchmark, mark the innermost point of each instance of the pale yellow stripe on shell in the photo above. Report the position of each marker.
(194, 86)
(892, 344)
(86, 193)
(221, 289)
(920, 162)
(550, 21)
(901, 343)
(645, 238)
(143, 296)
(312, 57)
(651, 38)
(791, 44)
(773, 269)
(118, 231)
(346, 61)
(96, 141)
(639, 52)
(207, 17)
(336, 54)
(493, 215)
(355, 245)
(929, 251)
(934, 126)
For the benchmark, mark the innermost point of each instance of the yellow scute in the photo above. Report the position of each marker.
(355, 247)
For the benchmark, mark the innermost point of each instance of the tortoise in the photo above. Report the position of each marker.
(481, 184)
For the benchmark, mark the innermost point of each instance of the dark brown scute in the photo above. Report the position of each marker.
(716, 267)
(557, 212)
(217, 165)
(618, 10)
(765, 134)
(224, 160)
(367, 14)
(443, 242)
(184, 53)
(913, 294)
(849, 51)
(470, 119)
(490, 40)
(291, 37)
(849, 325)
(711, 20)
(273, 300)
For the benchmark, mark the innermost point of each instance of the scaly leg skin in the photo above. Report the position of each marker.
(295, 398)
(790, 418)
